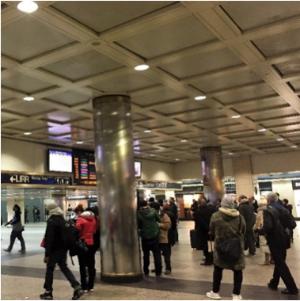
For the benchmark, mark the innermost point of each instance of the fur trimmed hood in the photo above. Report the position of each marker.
(229, 211)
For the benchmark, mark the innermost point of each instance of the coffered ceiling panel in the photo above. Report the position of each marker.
(293, 134)
(296, 85)
(29, 108)
(62, 116)
(280, 43)
(25, 126)
(24, 83)
(69, 98)
(230, 129)
(103, 15)
(171, 37)
(83, 65)
(267, 114)
(201, 63)
(19, 39)
(286, 128)
(198, 115)
(174, 130)
(156, 96)
(226, 81)
(281, 121)
(5, 117)
(85, 124)
(289, 67)
(124, 83)
(248, 14)
(216, 123)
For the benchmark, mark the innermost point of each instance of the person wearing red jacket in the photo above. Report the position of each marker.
(86, 225)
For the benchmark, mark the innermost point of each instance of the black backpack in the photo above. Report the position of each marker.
(72, 240)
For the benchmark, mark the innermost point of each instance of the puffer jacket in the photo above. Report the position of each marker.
(225, 224)
(148, 220)
(164, 226)
(87, 227)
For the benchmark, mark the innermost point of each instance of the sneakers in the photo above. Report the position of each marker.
(213, 295)
(237, 297)
(78, 292)
(46, 296)
(167, 272)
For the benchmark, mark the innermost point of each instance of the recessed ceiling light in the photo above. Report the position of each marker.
(235, 116)
(28, 98)
(294, 146)
(27, 6)
(200, 97)
(183, 140)
(128, 114)
(262, 130)
(141, 67)
(230, 154)
(152, 155)
(177, 159)
(27, 133)
(79, 142)
(99, 113)
(279, 139)
(114, 113)
(147, 131)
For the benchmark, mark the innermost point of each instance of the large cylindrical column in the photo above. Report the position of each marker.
(120, 255)
(212, 172)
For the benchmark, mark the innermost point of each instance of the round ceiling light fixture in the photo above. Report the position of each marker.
(200, 97)
(279, 139)
(79, 142)
(27, 6)
(27, 133)
(142, 67)
(262, 130)
(236, 116)
(147, 131)
(28, 98)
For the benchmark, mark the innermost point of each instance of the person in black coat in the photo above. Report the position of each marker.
(202, 218)
(277, 222)
(247, 211)
(56, 252)
(17, 230)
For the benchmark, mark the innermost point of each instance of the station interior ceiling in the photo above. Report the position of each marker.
(243, 56)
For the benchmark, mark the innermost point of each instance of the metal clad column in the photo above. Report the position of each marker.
(212, 172)
(120, 255)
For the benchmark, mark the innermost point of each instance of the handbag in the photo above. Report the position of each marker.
(42, 244)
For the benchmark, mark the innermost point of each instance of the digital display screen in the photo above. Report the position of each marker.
(59, 160)
(137, 169)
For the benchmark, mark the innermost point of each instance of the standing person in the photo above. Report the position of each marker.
(247, 211)
(202, 219)
(194, 207)
(254, 203)
(26, 215)
(164, 245)
(34, 214)
(148, 220)
(56, 252)
(17, 230)
(227, 227)
(86, 225)
(174, 210)
(277, 220)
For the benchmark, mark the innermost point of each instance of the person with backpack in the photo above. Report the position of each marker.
(278, 223)
(148, 220)
(56, 247)
(227, 228)
(86, 225)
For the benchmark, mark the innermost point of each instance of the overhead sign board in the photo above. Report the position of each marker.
(296, 184)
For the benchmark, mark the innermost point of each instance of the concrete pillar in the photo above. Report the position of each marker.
(120, 254)
(212, 172)
(242, 168)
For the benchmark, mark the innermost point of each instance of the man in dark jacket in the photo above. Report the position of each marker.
(277, 221)
(174, 212)
(148, 220)
(56, 252)
(202, 218)
(247, 211)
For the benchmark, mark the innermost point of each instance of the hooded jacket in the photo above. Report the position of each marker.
(225, 224)
(148, 220)
(87, 226)
(164, 225)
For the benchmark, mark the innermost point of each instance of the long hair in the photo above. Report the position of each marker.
(17, 208)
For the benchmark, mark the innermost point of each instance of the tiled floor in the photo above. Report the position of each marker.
(22, 275)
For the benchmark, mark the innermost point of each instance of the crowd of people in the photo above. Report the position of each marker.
(237, 227)
(226, 232)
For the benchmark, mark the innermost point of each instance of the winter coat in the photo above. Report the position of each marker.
(164, 226)
(16, 222)
(202, 218)
(148, 220)
(226, 224)
(54, 239)
(86, 225)
(247, 211)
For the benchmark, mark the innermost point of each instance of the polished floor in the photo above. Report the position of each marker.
(22, 275)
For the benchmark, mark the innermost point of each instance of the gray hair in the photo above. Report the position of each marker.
(272, 197)
(228, 201)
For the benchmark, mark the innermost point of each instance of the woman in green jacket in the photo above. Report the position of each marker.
(227, 228)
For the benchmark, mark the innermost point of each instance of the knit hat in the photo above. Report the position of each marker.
(228, 201)
(50, 204)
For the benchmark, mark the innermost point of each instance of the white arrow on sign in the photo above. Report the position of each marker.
(12, 179)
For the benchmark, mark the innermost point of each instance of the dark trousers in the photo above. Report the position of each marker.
(208, 255)
(19, 236)
(165, 249)
(151, 245)
(58, 257)
(250, 241)
(87, 268)
(237, 280)
(281, 270)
